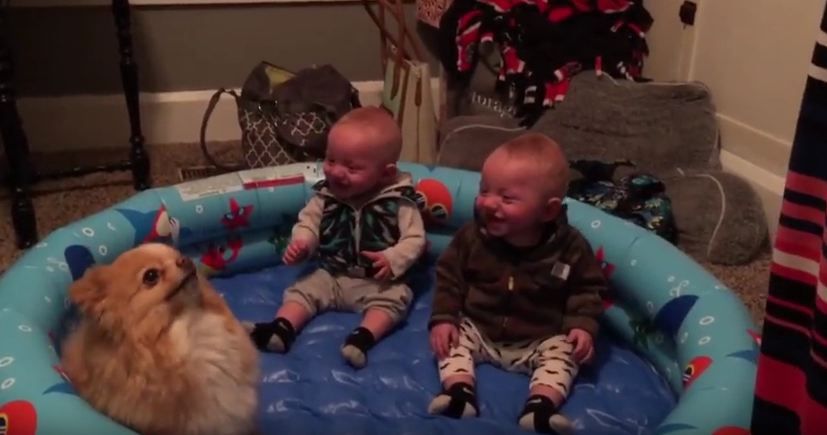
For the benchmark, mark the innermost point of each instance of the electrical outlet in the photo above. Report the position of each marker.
(687, 12)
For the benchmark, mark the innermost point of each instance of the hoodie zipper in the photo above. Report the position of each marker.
(357, 212)
(511, 285)
(357, 221)
(510, 288)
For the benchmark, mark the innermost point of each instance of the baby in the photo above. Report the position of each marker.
(517, 288)
(365, 226)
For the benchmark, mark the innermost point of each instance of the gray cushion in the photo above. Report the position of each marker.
(666, 129)
(719, 216)
(658, 126)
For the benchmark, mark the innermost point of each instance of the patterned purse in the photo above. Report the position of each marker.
(285, 117)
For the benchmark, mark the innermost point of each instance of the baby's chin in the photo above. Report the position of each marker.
(338, 189)
(349, 192)
(497, 229)
(505, 231)
(340, 192)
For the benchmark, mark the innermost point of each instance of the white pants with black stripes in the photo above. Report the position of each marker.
(548, 361)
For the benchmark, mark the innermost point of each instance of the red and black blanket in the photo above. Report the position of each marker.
(543, 43)
(791, 388)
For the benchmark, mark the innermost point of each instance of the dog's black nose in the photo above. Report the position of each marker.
(184, 263)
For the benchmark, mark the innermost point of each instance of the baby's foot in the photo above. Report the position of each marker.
(540, 415)
(276, 336)
(356, 347)
(458, 401)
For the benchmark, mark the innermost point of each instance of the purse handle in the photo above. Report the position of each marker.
(403, 33)
(400, 42)
(210, 107)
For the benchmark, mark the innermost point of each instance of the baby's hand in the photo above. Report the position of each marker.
(583, 346)
(296, 251)
(444, 336)
(381, 263)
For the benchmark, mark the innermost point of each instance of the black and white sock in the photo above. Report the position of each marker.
(458, 401)
(356, 347)
(276, 336)
(540, 415)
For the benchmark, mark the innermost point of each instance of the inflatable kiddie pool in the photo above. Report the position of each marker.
(677, 357)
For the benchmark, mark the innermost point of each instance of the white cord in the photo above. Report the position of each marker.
(723, 206)
(484, 126)
(723, 211)
(612, 79)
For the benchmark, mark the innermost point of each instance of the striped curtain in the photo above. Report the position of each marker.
(791, 387)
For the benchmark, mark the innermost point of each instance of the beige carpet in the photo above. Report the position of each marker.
(58, 203)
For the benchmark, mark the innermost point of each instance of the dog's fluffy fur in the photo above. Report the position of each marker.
(158, 350)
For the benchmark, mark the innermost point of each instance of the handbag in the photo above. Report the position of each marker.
(407, 92)
(284, 116)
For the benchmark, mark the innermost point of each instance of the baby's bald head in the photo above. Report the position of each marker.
(372, 129)
(543, 156)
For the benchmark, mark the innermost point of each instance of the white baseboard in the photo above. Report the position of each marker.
(768, 185)
(751, 143)
(101, 121)
(759, 157)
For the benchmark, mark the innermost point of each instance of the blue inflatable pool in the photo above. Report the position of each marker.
(678, 356)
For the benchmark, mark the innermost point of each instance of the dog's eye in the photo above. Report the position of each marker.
(151, 277)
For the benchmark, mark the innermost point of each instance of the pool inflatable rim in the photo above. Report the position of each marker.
(243, 208)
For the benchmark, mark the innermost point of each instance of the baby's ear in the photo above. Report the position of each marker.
(390, 170)
(87, 293)
(552, 209)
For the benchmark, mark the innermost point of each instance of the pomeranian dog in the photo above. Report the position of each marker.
(157, 349)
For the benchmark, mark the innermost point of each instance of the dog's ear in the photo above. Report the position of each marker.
(88, 293)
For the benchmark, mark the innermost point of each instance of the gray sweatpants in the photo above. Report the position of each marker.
(548, 361)
(320, 291)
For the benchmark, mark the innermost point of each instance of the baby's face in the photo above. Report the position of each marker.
(512, 203)
(352, 166)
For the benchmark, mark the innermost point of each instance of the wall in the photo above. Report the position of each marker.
(73, 50)
(670, 42)
(754, 55)
(66, 62)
